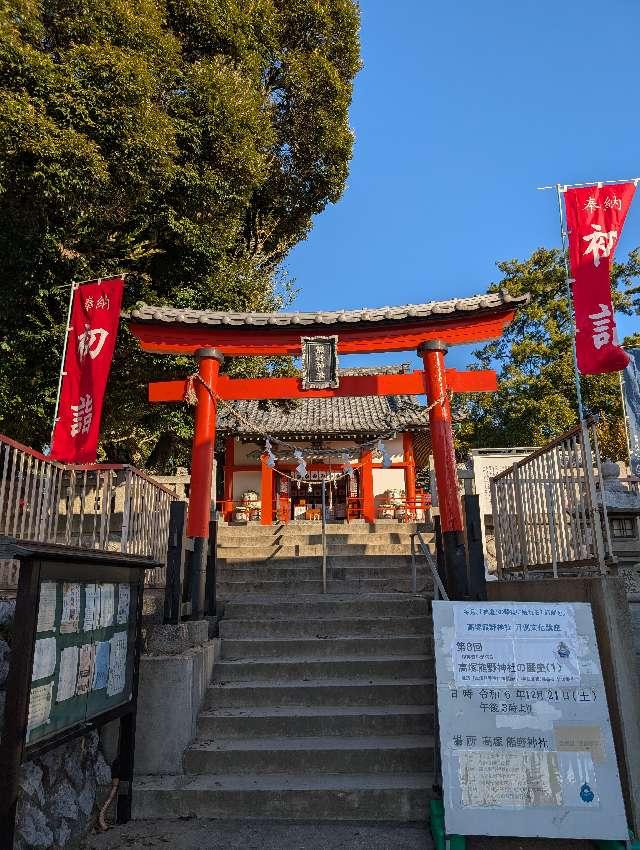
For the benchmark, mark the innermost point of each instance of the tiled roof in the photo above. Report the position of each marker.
(407, 312)
(309, 417)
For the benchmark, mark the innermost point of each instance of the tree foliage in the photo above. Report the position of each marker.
(536, 399)
(186, 142)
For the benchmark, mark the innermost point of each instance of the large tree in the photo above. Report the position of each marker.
(186, 142)
(536, 399)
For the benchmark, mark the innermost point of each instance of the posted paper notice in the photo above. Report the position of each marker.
(91, 609)
(107, 603)
(39, 706)
(47, 606)
(124, 599)
(101, 668)
(117, 664)
(44, 659)
(68, 673)
(70, 619)
(85, 668)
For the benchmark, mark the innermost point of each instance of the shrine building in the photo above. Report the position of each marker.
(327, 430)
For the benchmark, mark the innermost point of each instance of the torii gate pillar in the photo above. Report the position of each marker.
(204, 438)
(444, 459)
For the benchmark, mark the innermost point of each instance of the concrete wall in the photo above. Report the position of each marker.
(243, 481)
(612, 620)
(387, 479)
(174, 675)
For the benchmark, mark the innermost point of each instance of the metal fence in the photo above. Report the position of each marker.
(109, 507)
(548, 517)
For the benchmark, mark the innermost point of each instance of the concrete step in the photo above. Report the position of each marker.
(327, 606)
(325, 648)
(315, 755)
(302, 669)
(324, 627)
(378, 797)
(314, 692)
(359, 568)
(315, 538)
(315, 562)
(238, 589)
(230, 589)
(302, 527)
(301, 722)
(304, 550)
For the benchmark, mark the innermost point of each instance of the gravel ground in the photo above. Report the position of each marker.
(234, 835)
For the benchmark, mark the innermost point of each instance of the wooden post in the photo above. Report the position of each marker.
(204, 438)
(127, 736)
(175, 563)
(229, 461)
(366, 482)
(266, 493)
(409, 469)
(19, 687)
(444, 457)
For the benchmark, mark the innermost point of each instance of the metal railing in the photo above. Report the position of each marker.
(546, 513)
(109, 507)
(438, 587)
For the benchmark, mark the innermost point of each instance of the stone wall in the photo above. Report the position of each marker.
(59, 790)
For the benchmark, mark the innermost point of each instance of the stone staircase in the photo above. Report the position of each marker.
(321, 708)
(288, 558)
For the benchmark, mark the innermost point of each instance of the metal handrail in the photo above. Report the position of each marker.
(438, 591)
(324, 537)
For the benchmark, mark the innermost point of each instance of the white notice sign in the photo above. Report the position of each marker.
(525, 735)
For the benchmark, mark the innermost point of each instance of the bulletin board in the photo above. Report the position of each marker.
(83, 655)
(74, 660)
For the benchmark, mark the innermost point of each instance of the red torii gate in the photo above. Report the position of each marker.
(425, 328)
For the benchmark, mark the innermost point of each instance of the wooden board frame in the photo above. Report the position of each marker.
(40, 563)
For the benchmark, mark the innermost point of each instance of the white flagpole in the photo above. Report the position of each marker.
(74, 288)
(567, 275)
(625, 419)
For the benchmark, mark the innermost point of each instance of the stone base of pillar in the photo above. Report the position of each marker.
(455, 559)
(199, 577)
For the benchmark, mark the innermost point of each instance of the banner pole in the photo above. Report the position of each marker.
(624, 418)
(74, 288)
(563, 237)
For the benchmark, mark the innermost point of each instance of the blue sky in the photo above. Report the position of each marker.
(461, 111)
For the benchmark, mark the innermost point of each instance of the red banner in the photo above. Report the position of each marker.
(595, 218)
(93, 327)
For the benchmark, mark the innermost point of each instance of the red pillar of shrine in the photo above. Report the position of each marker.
(229, 460)
(266, 493)
(366, 484)
(410, 467)
(204, 437)
(444, 458)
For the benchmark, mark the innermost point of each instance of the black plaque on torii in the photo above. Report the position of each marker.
(320, 362)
